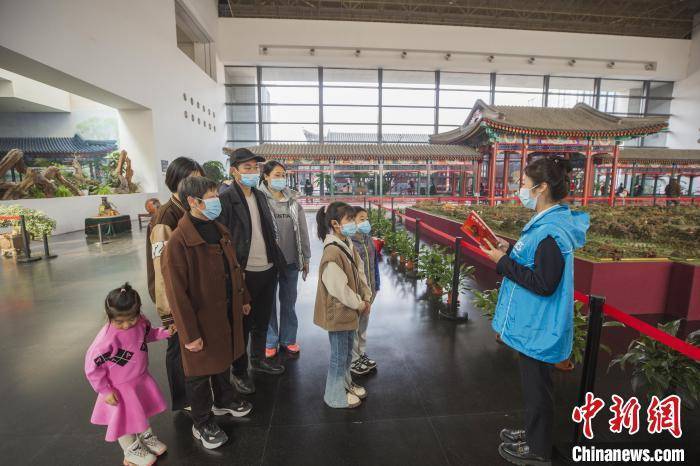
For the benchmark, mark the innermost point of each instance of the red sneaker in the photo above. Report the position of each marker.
(270, 352)
(293, 349)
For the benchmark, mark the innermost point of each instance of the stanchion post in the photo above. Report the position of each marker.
(364, 201)
(393, 220)
(590, 357)
(456, 275)
(453, 312)
(99, 235)
(47, 254)
(417, 238)
(25, 239)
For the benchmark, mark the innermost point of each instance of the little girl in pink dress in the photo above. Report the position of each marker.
(116, 365)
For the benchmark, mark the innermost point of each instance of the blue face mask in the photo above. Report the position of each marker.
(349, 229)
(212, 208)
(250, 180)
(364, 227)
(525, 197)
(278, 184)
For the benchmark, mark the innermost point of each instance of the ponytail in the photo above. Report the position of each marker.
(321, 229)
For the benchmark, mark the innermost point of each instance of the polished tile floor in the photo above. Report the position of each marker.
(439, 397)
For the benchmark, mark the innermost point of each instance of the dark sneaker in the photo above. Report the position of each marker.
(267, 366)
(243, 384)
(210, 434)
(359, 368)
(372, 364)
(235, 409)
(520, 454)
(512, 435)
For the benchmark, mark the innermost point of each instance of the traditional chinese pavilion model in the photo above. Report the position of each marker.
(591, 139)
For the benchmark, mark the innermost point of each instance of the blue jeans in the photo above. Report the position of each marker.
(287, 333)
(339, 378)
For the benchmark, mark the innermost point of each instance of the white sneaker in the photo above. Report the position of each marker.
(138, 455)
(353, 401)
(358, 391)
(153, 444)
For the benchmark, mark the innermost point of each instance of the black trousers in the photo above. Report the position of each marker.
(538, 394)
(176, 375)
(200, 390)
(262, 287)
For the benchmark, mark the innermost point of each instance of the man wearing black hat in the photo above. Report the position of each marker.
(246, 214)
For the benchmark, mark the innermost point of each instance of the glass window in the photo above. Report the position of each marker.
(406, 133)
(290, 132)
(242, 113)
(242, 131)
(408, 97)
(621, 88)
(660, 90)
(443, 129)
(464, 99)
(350, 133)
(465, 81)
(452, 116)
(414, 79)
(519, 83)
(237, 144)
(241, 75)
(659, 107)
(408, 116)
(348, 77)
(571, 85)
(350, 96)
(350, 114)
(519, 99)
(290, 113)
(290, 76)
(610, 103)
(289, 95)
(564, 100)
(242, 95)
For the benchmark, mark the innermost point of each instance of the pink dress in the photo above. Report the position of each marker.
(117, 361)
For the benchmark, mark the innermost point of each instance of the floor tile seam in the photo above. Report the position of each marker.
(269, 424)
(364, 421)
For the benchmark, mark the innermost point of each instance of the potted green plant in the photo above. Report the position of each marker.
(485, 301)
(37, 223)
(659, 370)
(446, 272)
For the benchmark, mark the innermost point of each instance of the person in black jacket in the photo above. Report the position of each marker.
(246, 214)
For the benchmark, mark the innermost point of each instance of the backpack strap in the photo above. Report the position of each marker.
(347, 254)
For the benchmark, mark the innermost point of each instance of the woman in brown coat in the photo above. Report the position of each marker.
(207, 295)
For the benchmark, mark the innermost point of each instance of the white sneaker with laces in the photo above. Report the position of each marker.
(153, 444)
(138, 455)
(353, 401)
(358, 391)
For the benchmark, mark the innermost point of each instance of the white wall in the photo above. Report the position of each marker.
(123, 54)
(239, 40)
(685, 107)
(70, 212)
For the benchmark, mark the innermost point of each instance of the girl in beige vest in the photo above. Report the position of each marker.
(341, 297)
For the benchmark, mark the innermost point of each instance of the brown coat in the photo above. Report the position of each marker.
(194, 279)
(342, 287)
(160, 228)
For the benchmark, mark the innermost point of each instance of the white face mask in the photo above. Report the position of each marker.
(527, 200)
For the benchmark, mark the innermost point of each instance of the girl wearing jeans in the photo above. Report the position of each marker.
(293, 241)
(341, 297)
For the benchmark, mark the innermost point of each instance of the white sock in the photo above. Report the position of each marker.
(125, 441)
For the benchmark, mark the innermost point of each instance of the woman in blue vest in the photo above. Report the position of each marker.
(535, 309)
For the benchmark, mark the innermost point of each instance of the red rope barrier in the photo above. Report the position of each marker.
(693, 352)
(10, 217)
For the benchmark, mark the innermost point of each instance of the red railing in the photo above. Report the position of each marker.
(677, 344)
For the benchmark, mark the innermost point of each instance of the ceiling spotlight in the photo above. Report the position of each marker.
(404, 54)
(264, 50)
(357, 52)
(490, 58)
(572, 62)
(611, 64)
(531, 60)
(312, 52)
(448, 55)
(649, 67)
